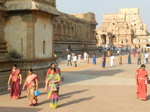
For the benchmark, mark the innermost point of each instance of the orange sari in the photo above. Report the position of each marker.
(141, 87)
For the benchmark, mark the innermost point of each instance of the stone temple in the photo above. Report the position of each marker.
(76, 31)
(125, 28)
(32, 31)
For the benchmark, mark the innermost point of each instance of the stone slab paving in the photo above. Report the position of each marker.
(89, 88)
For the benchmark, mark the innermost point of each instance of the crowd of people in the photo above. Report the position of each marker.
(142, 78)
(86, 58)
(52, 80)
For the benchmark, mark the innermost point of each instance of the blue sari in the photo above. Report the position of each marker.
(104, 62)
(94, 59)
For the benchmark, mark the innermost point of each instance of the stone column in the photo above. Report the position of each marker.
(117, 39)
(107, 40)
(53, 36)
(30, 39)
(110, 39)
(30, 53)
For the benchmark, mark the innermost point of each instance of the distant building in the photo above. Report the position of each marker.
(123, 29)
(76, 31)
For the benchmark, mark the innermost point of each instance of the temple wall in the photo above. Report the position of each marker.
(34, 35)
(15, 34)
(35, 29)
(43, 37)
(76, 31)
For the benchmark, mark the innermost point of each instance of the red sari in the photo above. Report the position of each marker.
(141, 87)
(15, 85)
(49, 71)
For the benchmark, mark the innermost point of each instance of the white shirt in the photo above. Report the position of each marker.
(69, 57)
(75, 58)
(85, 55)
(146, 55)
(112, 58)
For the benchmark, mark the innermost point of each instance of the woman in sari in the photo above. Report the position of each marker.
(103, 61)
(31, 84)
(16, 80)
(141, 77)
(129, 58)
(87, 58)
(134, 53)
(79, 58)
(94, 59)
(120, 59)
(52, 87)
(49, 70)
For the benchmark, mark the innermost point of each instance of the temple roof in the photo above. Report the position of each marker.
(45, 5)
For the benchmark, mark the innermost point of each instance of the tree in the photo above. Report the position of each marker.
(148, 33)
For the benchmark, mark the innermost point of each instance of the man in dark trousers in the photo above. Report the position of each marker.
(139, 58)
(69, 59)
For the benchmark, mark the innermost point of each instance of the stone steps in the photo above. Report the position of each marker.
(3, 49)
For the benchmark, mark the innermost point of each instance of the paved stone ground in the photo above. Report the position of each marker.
(89, 88)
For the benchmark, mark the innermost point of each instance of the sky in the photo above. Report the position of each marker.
(99, 7)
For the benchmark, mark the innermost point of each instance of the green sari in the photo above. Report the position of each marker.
(53, 90)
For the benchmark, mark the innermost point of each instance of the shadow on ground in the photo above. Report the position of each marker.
(16, 109)
(76, 101)
(65, 96)
(148, 97)
(77, 76)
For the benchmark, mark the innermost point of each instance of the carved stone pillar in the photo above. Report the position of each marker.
(107, 40)
(30, 53)
(30, 39)
(117, 39)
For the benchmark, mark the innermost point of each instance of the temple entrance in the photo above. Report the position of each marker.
(104, 40)
(114, 38)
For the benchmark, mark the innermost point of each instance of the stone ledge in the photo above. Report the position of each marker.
(25, 64)
(29, 60)
(34, 60)
(74, 42)
(30, 5)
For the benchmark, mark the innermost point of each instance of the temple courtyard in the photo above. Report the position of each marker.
(89, 88)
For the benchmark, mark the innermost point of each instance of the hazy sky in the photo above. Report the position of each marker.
(99, 7)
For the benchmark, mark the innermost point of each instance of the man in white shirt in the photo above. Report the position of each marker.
(69, 59)
(118, 52)
(112, 60)
(85, 55)
(75, 60)
(146, 56)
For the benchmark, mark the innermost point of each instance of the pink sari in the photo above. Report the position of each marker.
(15, 85)
(79, 58)
(142, 87)
(30, 79)
(31, 86)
